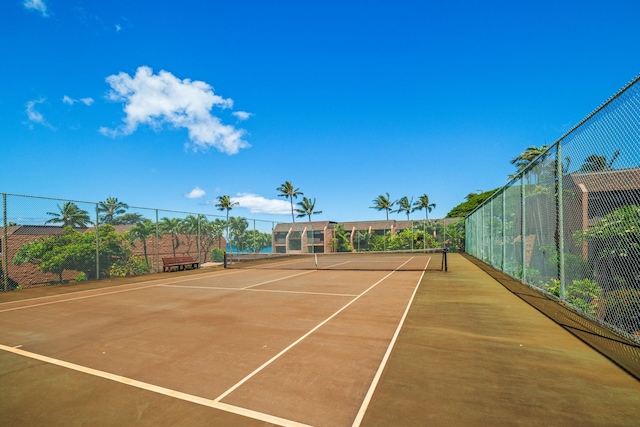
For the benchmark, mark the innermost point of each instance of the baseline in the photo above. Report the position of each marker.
(156, 389)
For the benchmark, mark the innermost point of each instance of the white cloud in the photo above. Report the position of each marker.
(118, 28)
(37, 5)
(242, 115)
(196, 193)
(68, 100)
(158, 99)
(35, 116)
(259, 205)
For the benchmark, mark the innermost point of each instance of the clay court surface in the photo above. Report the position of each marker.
(256, 347)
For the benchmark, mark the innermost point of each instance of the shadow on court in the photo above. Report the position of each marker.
(471, 352)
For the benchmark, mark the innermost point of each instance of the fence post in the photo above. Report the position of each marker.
(523, 230)
(504, 230)
(157, 243)
(97, 242)
(560, 220)
(198, 238)
(491, 242)
(5, 255)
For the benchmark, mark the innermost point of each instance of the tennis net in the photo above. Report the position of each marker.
(414, 260)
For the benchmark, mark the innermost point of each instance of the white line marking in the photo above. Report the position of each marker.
(277, 280)
(259, 290)
(385, 359)
(293, 344)
(157, 389)
(74, 299)
(202, 276)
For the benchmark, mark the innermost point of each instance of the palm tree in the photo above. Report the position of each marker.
(404, 205)
(225, 203)
(595, 163)
(383, 203)
(109, 209)
(307, 208)
(423, 203)
(172, 226)
(525, 158)
(142, 231)
(70, 215)
(287, 190)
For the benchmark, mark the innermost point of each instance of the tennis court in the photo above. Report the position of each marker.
(273, 346)
(322, 347)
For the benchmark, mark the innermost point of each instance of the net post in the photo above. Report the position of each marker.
(224, 259)
(445, 267)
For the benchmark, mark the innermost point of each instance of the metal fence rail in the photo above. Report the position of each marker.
(569, 224)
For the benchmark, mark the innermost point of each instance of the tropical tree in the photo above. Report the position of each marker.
(190, 226)
(472, 202)
(595, 163)
(256, 240)
(173, 227)
(383, 202)
(423, 203)
(216, 228)
(340, 241)
(142, 231)
(69, 215)
(210, 233)
(307, 208)
(74, 250)
(238, 226)
(225, 204)
(363, 240)
(109, 209)
(522, 160)
(288, 190)
(127, 219)
(404, 205)
(455, 234)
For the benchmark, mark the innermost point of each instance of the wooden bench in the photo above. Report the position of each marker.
(181, 262)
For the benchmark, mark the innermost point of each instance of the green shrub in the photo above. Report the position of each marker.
(582, 294)
(132, 266)
(81, 277)
(585, 295)
(622, 308)
(217, 255)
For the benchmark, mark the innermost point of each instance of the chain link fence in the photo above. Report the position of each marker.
(46, 241)
(569, 224)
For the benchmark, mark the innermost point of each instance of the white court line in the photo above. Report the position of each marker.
(186, 279)
(151, 282)
(74, 299)
(293, 344)
(281, 291)
(156, 389)
(277, 280)
(376, 378)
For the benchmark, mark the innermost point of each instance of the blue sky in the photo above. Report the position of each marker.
(171, 104)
